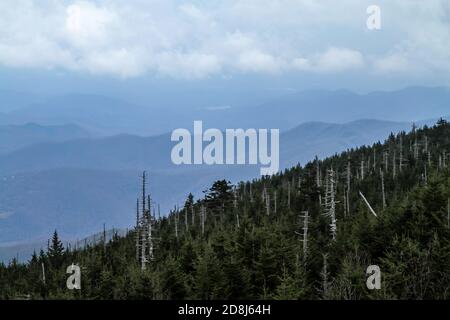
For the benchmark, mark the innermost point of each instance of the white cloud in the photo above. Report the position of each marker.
(302, 64)
(38, 52)
(332, 60)
(423, 50)
(392, 63)
(122, 62)
(189, 66)
(194, 40)
(257, 61)
(339, 59)
(88, 25)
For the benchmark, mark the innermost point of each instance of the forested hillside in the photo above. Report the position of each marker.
(307, 233)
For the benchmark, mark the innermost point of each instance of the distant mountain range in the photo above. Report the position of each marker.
(75, 177)
(76, 186)
(342, 106)
(108, 116)
(14, 137)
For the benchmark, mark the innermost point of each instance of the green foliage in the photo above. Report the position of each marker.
(249, 251)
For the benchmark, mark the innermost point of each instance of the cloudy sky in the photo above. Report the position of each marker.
(190, 41)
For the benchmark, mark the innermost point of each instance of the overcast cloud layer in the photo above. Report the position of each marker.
(197, 39)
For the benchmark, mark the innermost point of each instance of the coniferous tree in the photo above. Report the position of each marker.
(56, 251)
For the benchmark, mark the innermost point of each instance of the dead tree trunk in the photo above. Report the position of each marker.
(305, 233)
(137, 230)
(382, 188)
(176, 222)
(400, 166)
(330, 202)
(275, 202)
(374, 159)
(362, 169)
(386, 165)
(347, 192)
(143, 244)
(203, 218)
(318, 183)
(394, 165)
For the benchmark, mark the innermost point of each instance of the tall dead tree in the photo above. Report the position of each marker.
(43, 273)
(345, 201)
(144, 196)
(137, 230)
(144, 259)
(304, 232)
(149, 204)
(400, 166)
(425, 174)
(235, 207)
(385, 160)
(266, 200)
(150, 240)
(382, 189)
(394, 165)
(330, 201)
(362, 169)
(416, 148)
(203, 218)
(347, 191)
(176, 222)
(186, 219)
(275, 202)
(144, 228)
(374, 159)
(318, 179)
(143, 244)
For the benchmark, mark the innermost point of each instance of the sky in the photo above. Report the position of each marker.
(283, 45)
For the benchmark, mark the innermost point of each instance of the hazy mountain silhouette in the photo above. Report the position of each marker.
(76, 186)
(107, 116)
(14, 137)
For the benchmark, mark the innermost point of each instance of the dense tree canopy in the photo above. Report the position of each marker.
(253, 242)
